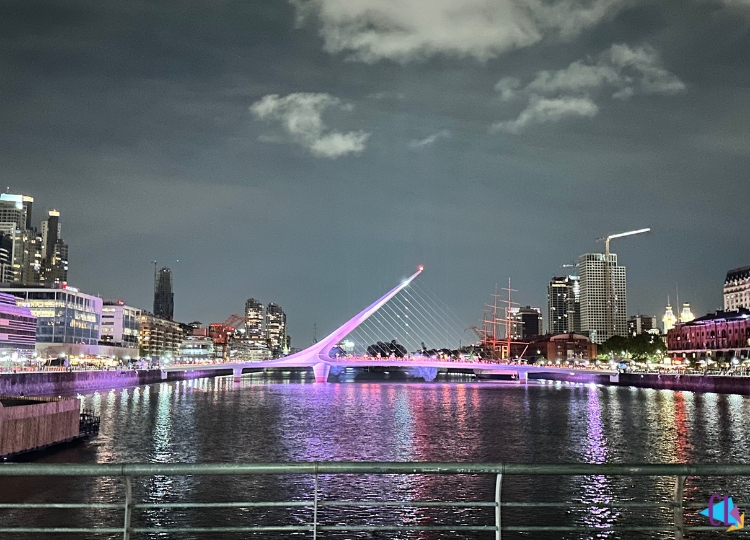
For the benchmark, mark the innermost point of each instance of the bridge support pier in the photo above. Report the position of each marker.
(163, 375)
(523, 376)
(614, 378)
(237, 372)
(321, 371)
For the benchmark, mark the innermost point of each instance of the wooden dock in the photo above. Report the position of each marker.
(34, 423)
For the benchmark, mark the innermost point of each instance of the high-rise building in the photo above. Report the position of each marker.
(17, 209)
(54, 252)
(563, 305)
(594, 304)
(163, 295)
(6, 258)
(275, 329)
(668, 320)
(526, 323)
(19, 240)
(254, 316)
(36, 258)
(737, 289)
(641, 324)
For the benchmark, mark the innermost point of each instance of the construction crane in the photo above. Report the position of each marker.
(609, 315)
(220, 332)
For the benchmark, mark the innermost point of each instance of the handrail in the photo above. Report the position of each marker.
(134, 511)
(379, 467)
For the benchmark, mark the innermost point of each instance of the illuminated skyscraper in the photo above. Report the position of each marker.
(254, 333)
(54, 252)
(20, 241)
(37, 258)
(564, 305)
(163, 295)
(527, 323)
(594, 306)
(275, 329)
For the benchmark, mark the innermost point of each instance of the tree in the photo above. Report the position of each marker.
(385, 350)
(640, 347)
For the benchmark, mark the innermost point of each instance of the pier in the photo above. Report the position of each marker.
(28, 424)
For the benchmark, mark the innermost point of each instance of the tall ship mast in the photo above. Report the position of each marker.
(499, 346)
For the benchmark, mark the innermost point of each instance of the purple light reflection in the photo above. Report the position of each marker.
(597, 490)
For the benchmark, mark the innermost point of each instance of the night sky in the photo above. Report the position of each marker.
(314, 152)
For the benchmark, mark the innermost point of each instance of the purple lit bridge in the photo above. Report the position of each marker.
(319, 356)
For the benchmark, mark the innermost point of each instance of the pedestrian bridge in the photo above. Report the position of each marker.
(319, 357)
(424, 367)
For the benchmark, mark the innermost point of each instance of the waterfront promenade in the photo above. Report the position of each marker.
(70, 381)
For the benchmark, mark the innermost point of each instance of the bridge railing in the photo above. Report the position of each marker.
(315, 504)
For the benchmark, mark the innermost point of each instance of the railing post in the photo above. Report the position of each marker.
(315, 506)
(498, 500)
(128, 509)
(679, 488)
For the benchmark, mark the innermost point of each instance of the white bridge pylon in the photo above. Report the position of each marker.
(317, 355)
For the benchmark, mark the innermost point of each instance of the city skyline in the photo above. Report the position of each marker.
(164, 296)
(492, 155)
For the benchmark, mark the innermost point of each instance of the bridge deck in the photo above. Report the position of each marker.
(391, 362)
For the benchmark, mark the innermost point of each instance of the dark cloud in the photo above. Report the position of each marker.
(134, 120)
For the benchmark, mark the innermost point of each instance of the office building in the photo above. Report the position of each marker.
(737, 289)
(642, 324)
(68, 321)
(16, 209)
(254, 317)
(275, 329)
(721, 335)
(595, 318)
(563, 305)
(6, 258)
(196, 349)
(526, 323)
(54, 252)
(160, 338)
(17, 327)
(36, 258)
(15, 215)
(163, 295)
(120, 326)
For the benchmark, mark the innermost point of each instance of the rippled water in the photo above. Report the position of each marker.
(260, 419)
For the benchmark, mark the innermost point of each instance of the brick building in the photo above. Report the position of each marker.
(724, 334)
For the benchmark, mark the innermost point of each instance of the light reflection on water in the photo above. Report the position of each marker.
(273, 419)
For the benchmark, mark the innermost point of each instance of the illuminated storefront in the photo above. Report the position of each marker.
(63, 315)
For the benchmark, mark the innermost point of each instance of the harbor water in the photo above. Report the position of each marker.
(283, 419)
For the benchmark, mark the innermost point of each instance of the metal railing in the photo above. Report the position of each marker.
(496, 505)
